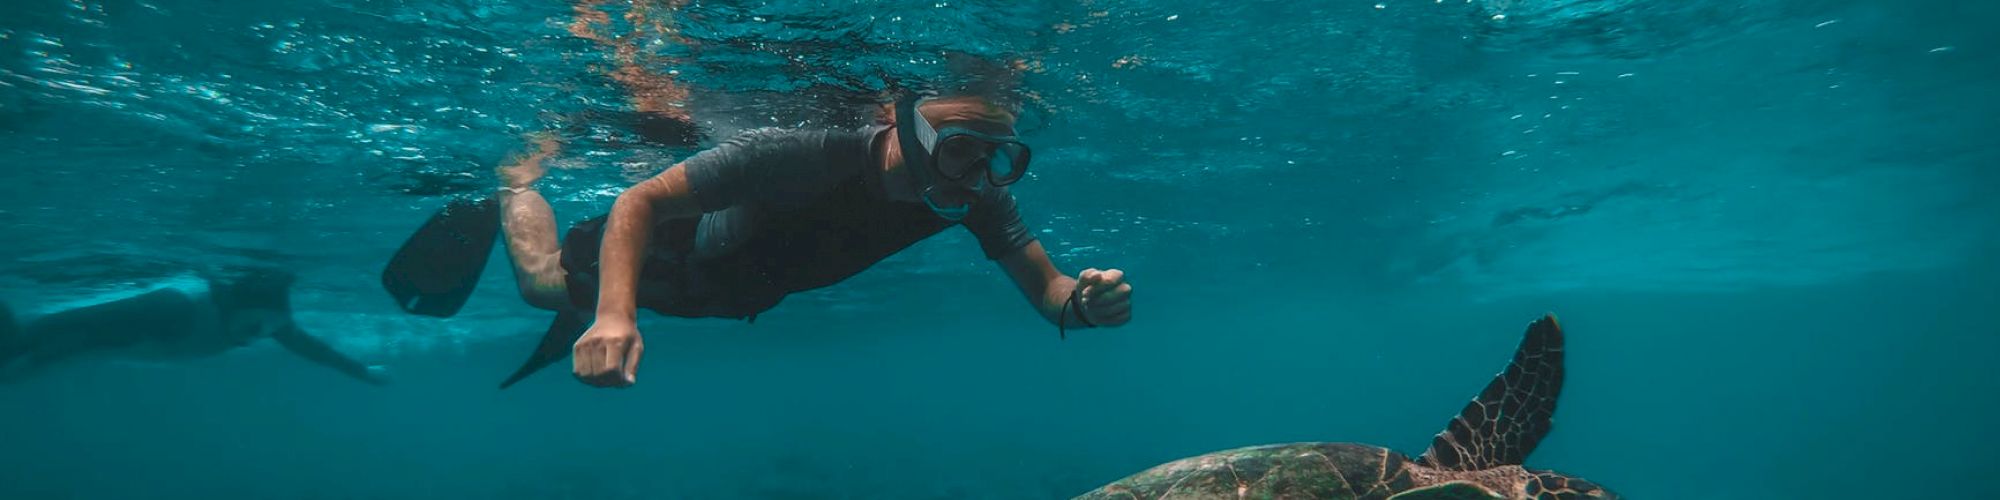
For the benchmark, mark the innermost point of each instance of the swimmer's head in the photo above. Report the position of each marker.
(258, 288)
(955, 147)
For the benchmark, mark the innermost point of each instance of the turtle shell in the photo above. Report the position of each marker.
(1333, 471)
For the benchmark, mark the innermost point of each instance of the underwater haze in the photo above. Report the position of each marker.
(1769, 228)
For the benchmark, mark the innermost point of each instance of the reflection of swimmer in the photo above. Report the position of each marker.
(1576, 203)
(186, 319)
(731, 231)
(657, 99)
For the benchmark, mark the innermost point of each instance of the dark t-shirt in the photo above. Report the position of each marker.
(785, 211)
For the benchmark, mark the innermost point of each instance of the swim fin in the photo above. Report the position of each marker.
(437, 268)
(556, 345)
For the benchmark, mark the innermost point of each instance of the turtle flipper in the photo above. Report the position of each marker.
(1504, 423)
(556, 344)
(1455, 490)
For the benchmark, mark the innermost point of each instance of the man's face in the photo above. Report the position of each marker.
(961, 140)
(963, 164)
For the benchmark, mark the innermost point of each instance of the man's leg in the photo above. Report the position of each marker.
(529, 224)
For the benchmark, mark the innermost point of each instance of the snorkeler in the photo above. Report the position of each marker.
(731, 231)
(189, 318)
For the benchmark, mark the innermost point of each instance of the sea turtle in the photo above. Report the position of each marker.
(1477, 457)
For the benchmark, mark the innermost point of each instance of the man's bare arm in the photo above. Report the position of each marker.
(607, 355)
(317, 351)
(1105, 301)
(627, 231)
(1045, 287)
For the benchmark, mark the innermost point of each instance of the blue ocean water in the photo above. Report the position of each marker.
(1768, 227)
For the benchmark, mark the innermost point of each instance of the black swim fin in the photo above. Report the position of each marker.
(437, 268)
(556, 345)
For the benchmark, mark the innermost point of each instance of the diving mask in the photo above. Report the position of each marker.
(956, 154)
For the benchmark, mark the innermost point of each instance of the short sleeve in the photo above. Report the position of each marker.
(996, 223)
(766, 164)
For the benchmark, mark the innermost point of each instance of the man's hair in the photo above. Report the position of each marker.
(992, 81)
(981, 87)
(943, 110)
(975, 88)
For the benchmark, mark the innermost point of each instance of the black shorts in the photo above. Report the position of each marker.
(671, 282)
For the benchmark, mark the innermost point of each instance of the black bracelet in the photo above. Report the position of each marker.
(1062, 319)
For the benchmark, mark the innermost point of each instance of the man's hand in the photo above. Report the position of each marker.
(608, 354)
(1107, 298)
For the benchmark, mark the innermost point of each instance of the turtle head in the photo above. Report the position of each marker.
(1545, 485)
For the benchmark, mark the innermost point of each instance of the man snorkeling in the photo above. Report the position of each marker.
(730, 231)
(192, 317)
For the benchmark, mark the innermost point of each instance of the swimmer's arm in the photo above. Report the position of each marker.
(1045, 287)
(317, 351)
(753, 165)
(626, 232)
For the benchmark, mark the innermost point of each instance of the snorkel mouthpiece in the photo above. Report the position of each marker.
(953, 214)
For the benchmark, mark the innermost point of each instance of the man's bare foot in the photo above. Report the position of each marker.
(522, 172)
